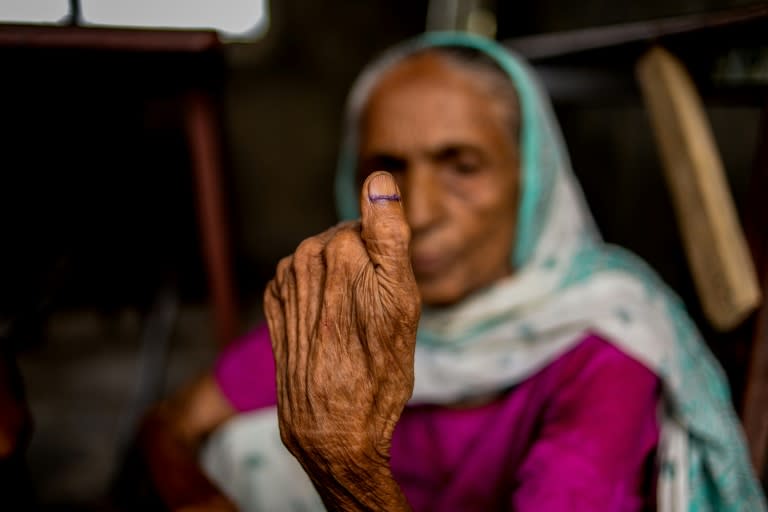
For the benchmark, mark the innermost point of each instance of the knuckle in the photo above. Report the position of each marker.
(347, 224)
(283, 275)
(283, 266)
(308, 250)
(344, 241)
(269, 293)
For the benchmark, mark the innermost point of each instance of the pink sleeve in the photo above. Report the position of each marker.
(598, 437)
(245, 371)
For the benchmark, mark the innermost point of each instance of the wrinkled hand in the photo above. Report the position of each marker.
(342, 314)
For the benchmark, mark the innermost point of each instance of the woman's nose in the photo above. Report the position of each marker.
(421, 198)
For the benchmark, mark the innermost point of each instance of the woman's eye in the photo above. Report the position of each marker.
(463, 167)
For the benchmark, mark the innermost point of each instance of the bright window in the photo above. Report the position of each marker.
(34, 11)
(233, 19)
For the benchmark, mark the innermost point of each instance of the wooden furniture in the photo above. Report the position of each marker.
(714, 241)
(755, 408)
(196, 49)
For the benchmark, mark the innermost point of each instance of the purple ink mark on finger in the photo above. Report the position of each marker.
(384, 197)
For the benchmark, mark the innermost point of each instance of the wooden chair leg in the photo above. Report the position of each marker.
(755, 409)
(202, 135)
(755, 413)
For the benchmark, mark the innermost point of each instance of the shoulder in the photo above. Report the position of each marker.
(598, 432)
(603, 390)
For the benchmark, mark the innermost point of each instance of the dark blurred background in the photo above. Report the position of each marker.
(103, 287)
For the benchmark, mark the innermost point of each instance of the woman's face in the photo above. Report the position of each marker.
(449, 146)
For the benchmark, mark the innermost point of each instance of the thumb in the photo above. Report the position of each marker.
(385, 231)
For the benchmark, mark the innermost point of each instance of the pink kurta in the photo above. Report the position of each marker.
(579, 435)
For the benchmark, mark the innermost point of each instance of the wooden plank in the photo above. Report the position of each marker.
(114, 39)
(755, 409)
(715, 245)
(755, 413)
(558, 44)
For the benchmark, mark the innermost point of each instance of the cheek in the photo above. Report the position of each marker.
(488, 232)
(489, 215)
(489, 244)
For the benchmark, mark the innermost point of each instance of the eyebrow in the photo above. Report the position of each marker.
(445, 151)
(453, 150)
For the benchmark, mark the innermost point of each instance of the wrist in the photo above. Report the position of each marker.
(362, 490)
(357, 483)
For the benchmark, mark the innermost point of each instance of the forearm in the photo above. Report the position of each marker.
(174, 466)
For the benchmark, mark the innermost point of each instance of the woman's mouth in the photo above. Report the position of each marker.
(427, 264)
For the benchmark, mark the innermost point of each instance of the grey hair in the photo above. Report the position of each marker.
(490, 76)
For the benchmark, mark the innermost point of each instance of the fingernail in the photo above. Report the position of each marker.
(382, 187)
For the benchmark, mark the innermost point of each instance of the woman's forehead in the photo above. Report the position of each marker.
(426, 69)
(425, 100)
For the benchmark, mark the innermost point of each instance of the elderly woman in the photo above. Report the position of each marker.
(550, 372)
